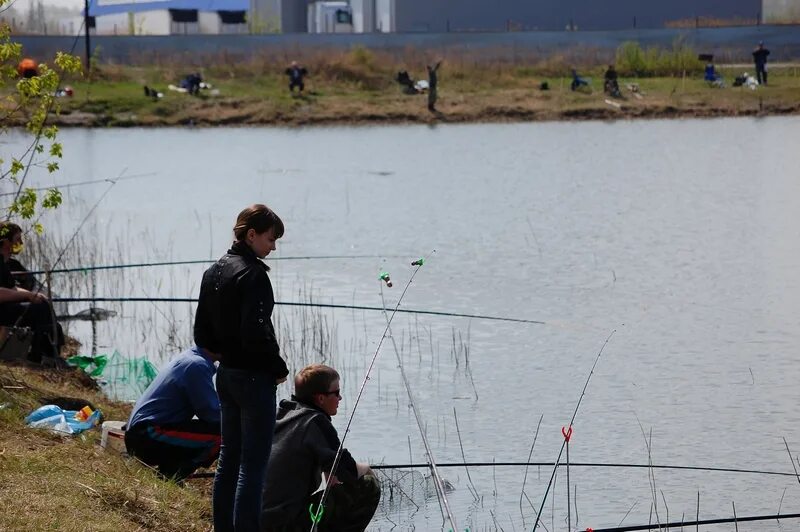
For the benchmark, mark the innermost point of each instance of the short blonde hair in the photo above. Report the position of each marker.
(314, 379)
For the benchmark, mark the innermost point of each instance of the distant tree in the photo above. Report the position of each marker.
(29, 102)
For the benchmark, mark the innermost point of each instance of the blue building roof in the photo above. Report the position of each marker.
(110, 7)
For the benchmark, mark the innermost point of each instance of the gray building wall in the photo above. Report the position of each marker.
(781, 11)
(264, 16)
(294, 16)
(480, 15)
(278, 16)
(364, 15)
(728, 44)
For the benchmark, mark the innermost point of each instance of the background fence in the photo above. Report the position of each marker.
(729, 44)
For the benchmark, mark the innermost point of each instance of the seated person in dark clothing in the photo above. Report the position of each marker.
(303, 450)
(407, 83)
(713, 78)
(577, 81)
(24, 308)
(192, 83)
(161, 431)
(22, 276)
(611, 84)
(296, 74)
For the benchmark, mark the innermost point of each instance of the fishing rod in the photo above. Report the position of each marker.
(571, 421)
(599, 465)
(296, 304)
(586, 464)
(316, 516)
(33, 149)
(681, 524)
(82, 183)
(85, 219)
(440, 491)
(82, 269)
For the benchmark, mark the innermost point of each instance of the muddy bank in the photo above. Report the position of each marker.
(244, 115)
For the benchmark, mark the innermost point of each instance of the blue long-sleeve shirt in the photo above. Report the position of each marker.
(182, 389)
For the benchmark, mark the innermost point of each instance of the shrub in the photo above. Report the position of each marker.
(633, 60)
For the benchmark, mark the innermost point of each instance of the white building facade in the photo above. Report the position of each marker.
(168, 17)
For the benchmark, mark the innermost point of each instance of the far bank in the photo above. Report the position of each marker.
(352, 96)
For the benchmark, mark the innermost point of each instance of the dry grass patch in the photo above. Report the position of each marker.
(54, 482)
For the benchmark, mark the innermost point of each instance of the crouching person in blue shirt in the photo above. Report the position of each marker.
(161, 431)
(303, 451)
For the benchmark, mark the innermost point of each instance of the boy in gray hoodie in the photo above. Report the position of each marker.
(303, 451)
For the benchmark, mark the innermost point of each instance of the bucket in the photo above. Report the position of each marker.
(113, 436)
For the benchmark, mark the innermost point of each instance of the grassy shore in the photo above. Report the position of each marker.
(53, 482)
(358, 87)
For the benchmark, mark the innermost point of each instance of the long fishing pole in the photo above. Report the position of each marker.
(83, 183)
(420, 465)
(316, 516)
(85, 219)
(58, 259)
(681, 524)
(81, 269)
(599, 465)
(571, 421)
(33, 150)
(296, 304)
(437, 479)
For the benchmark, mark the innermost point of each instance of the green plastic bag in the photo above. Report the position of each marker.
(121, 377)
(93, 366)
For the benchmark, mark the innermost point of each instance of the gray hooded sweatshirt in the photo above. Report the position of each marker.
(304, 445)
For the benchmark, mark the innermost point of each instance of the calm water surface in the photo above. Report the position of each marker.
(680, 235)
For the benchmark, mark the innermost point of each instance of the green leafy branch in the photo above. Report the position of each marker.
(31, 101)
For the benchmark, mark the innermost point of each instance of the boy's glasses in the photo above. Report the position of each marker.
(333, 392)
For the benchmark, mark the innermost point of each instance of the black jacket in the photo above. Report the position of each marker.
(303, 446)
(234, 313)
(760, 56)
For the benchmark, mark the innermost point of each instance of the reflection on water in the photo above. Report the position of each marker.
(681, 235)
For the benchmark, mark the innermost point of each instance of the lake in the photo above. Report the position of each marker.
(681, 236)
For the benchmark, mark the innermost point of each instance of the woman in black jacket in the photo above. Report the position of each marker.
(234, 319)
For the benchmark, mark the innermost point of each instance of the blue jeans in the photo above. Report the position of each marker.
(247, 402)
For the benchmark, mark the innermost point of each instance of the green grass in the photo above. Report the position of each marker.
(54, 482)
(358, 86)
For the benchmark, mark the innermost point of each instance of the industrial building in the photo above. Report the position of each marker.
(439, 16)
(521, 15)
(168, 17)
(781, 12)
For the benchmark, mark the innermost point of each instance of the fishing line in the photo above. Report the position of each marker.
(80, 269)
(54, 329)
(67, 246)
(296, 304)
(85, 219)
(571, 421)
(82, 183)
(681, 524)
(599, 465)
(8, 6)
(588, 465)
(316, 516)
(444, 505)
